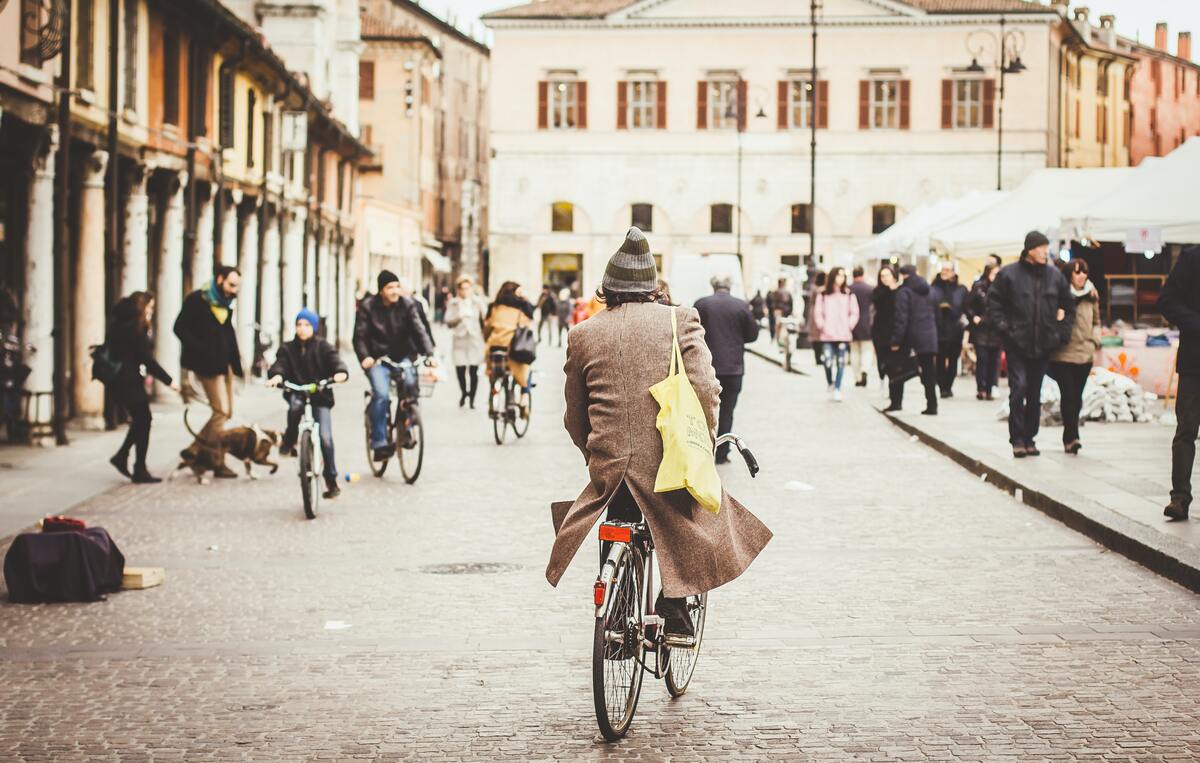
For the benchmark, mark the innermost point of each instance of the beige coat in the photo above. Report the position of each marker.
(1085, 334)
(613, 359)
(498, 331)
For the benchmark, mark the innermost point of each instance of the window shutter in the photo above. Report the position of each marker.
(989, 103)
(366, 80)
(581, 105)
(822, 104)
(948, 104)
(904, 93)
(701, 105)
(661, 105)
(782, 104)
(741, 104)
(543, 96)
(864, 104)
(622, 104)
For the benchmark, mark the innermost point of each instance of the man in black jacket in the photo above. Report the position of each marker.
(388, 324)
(915, 332)
(1179, 303)
(1031, 307)
(210, 350)
(728, 327)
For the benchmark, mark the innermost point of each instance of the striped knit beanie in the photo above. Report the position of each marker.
(631, 269)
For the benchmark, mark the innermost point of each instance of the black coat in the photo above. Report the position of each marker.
(862, 292)
(1023, 304)
(306, 363)
(883, 316)
(398, 330)
(916, 326)
(209, 348)
(781, 300)
(982, 333)
(949, 303)
(131, 346)
(728, 326)
(1179, 302)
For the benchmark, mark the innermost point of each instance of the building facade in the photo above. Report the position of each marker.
(1095, 72)
(1165, 96)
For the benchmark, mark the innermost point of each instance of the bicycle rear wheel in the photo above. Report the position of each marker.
(520, 423)
(617, 652)
(377, 467)
(412, 457)
(681, 663)
(309, 489)
(497, 411)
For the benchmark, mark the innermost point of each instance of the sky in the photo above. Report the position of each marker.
(1135, 18)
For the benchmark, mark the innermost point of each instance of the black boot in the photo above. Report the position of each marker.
(143, 477)
(120, 462)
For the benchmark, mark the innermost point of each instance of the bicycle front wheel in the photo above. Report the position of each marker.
(497, 411)
(681, 663)
(617, 652)
(309, 490)
(412, 454)
(523, 411)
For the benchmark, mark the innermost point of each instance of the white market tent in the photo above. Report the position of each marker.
(1160, 194)
(1039, 203)
(910, 236)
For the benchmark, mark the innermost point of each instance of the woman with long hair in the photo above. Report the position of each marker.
(1071, 363)
(464, 316)
(509, 312)
(984, 337)
(129, 343)
(835, 316)
(883, 319)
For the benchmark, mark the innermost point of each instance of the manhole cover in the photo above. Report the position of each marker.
(469, 568)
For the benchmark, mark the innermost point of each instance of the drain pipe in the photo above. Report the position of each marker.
(219, 211)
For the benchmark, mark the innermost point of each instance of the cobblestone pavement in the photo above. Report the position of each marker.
(904, 611)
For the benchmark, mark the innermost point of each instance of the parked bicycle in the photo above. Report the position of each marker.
(406, 432)
(509, 406)
(628, 632)
(308, 446)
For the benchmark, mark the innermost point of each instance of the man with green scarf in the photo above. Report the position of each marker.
(210, 351)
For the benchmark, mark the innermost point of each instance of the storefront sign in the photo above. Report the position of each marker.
(1142, 240)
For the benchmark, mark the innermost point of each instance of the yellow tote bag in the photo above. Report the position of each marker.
(687, 444)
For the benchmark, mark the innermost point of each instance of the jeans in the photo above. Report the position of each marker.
(1071, 378)
(987, 368)
(324, 418)
(731, 387)
(1183, 447)
(380, 377)
(927, 363)
(835, 355)
(1025, 376)
(947, 368)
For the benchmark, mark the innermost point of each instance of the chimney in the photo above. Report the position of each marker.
(1060, 6)
(1160, 36)
(1081, 13)
(1185, 46)
(1108, 30)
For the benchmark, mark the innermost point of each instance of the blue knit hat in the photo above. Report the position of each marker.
(308, 315)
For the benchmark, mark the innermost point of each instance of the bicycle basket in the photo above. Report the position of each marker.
(427, 380)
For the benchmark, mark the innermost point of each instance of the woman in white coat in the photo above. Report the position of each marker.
(464, 315)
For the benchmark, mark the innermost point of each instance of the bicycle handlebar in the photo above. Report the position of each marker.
(420, 360)
(308, 389)
(751, 461)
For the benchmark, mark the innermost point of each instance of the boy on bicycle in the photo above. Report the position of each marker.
(308, 359)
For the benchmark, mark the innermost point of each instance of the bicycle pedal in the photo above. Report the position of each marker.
(679, 642)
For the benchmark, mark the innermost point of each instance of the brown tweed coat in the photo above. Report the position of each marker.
(613, 359)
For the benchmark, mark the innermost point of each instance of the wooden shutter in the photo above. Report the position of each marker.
(366, 80)
(822, 104)
(581, 105)
(661, 105)
(622, 105)
(864, 104)
(948, 104)
(543, 97)
(782, 104)
(741, 104)
(989, 103)
(701, 105)
(904, 93)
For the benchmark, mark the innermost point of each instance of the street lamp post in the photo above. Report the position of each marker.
(812, 121)
(733, 112)
(1009, 44)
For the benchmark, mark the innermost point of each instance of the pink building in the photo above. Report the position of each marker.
(1165, 97)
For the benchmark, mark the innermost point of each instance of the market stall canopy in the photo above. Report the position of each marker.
(910, 236)
(1159, 194)
(1036, 204)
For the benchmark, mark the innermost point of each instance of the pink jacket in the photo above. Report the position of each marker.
(836, 315)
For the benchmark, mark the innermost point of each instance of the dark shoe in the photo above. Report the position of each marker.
(287, 449)
(1031, 450)
(120, 462)
(929, 412)
(893, 408)
(223, 472)
(988, 396)
(384, 453)
(946, 394)
(1019, 451)
(332, 490)
(143, 477)
(462, 400)
(1176, 510)
(981, 396)
(1073, 447)
(677, 623)
(471, 402)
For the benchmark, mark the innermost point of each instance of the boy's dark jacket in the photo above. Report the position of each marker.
(308, 362)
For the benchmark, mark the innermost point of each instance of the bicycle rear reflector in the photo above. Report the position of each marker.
(616, 533)
(598, 593)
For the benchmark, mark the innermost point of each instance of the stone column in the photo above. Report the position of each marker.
(202, 259)
(311, 263)
(269, 307)
(87, 293)
(293, 266)
(229, 229)
(134, 269)
(247, 302)
(333, 270)
(39, 292)
(169, 288)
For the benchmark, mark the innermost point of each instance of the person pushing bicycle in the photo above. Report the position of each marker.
(309, 359)
(389, 324)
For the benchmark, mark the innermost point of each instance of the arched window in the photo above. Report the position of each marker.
(562, 217)
(883, 216)
(643, 217)
(802, 218)
(721, 218)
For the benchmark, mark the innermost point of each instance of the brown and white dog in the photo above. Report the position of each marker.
(249, 444)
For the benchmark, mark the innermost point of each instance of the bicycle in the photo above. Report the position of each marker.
(508, 404)
(404, 426)
(308, 446)
(627, 629)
